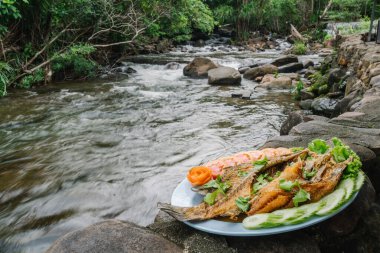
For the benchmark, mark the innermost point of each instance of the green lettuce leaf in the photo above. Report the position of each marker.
(318, 146)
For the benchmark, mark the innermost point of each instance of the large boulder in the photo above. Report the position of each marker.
(271, 82)
(113, 236)
(366, 114)
(252, 73)
(324, 106)
(290, 68)
(224, 76)
(199, 67)
(285, 60)
(297, 117)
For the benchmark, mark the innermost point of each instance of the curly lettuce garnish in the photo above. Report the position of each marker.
(318, 146)
(341, 153)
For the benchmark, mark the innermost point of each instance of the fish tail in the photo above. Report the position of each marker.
(174, 211)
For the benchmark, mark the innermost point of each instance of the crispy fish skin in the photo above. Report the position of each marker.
(226, 206)
(272, 197)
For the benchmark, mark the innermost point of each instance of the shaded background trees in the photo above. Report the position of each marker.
(67, 39)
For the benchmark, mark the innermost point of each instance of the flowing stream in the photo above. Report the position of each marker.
(73, 154)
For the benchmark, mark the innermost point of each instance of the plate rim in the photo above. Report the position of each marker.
(202, 225)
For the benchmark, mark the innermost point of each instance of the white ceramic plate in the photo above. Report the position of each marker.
(183, 196)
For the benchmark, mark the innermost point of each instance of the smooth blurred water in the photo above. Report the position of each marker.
(73, 154)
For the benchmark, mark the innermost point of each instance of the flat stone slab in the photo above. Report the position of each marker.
(113, 236)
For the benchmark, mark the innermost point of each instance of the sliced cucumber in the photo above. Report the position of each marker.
(333, 201)
(348, 185)
(308, 211)
(285, 215)
(359, 180)
(256, 221)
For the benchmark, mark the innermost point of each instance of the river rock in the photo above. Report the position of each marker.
(308, 63)
(374, 72)
(199, 43)
(375, 81)
(199, 67)
(224, 76)
(290, 68)
(252, 73)
(290, 242)
(242, 70)
(335, 76)
(366, 114)
(306, 104)
(172, 66)
(271, 82)
(324, 106)
(193, 241)
(297, 117)
(345, 222)
(113, 236)
(306, 94)
(285, 60)
(369, 138)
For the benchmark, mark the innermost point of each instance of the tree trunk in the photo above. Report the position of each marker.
(372, 19)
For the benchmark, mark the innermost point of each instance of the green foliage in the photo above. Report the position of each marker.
(299, 48)
(32, 79)
(319, 86)
(184, 16)
(5, 73)
(9, 11)
(76, 60)
(224, 14)
(296, 91)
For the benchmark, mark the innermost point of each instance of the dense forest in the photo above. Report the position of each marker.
(45, 40)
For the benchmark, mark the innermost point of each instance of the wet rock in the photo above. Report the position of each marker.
(294, 118)
(308, 73)
(191, 240)
(366, 114)
(285, 60)
(108, 141)
(375, 80)
(345, 222)
(271, 82)
(306, 104)
(290, 68)
(324, 106)
(112, 236)
(306, 94)
(290, 242)
(224, 76)
(297, 117)
(252, 73)
(199, 43)
(308, 63)
(199, 67)
(374, 72)
(172, 66)
(291, 140)
(242, 70)
(335, 76)
(369, 138)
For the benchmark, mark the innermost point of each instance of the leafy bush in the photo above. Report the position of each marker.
(299, 48)
(76, 61)
(319, 85)
(32, 79)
